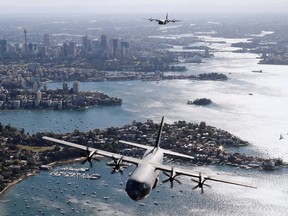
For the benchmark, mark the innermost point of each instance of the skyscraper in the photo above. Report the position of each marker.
(42, 51)
(72, 49)
(3, 46)
(76, 87)
(103, 43)
(114, 48)
(85, 43)
(95, 46)
(65, 86)
(64, 50)
(25, 41)
(124, 49)
(46, 40)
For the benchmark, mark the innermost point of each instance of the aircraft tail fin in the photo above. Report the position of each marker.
(166, 16)
(157, 144)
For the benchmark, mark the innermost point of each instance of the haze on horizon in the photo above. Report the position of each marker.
(141, 6)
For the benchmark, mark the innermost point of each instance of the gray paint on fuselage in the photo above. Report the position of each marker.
(143, 178)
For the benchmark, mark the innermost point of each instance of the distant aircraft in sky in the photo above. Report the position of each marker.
(146, 174)
(164, 21)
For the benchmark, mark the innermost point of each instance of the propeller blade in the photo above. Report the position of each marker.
(88, 156)
(171, 177)
(84, 161)
(117, 165)
(195, 187)
(201, 183)
(166, 180)
(178, 181)
(168, 175)
(194, 180)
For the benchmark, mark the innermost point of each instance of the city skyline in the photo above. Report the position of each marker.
(142, 6)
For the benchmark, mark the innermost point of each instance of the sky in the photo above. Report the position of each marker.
(141, 6)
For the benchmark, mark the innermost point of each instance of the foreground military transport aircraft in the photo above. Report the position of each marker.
(146, 174)
(164, 21)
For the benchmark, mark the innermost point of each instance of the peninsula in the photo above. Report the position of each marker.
(22, 154)
(59, 99)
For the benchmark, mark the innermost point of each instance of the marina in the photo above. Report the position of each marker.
(70, 172)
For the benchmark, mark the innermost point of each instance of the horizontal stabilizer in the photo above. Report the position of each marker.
(150, 147)
(136, 144)
(177, 154)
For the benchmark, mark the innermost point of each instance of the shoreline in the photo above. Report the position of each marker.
(22, 178)
(35, 172)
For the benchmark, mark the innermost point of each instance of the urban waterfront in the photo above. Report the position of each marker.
(258, 118)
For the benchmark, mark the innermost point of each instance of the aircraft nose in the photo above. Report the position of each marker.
(136, 190)
(134, 194)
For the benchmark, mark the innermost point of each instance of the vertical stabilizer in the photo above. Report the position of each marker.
(157, 144)
(166, 16)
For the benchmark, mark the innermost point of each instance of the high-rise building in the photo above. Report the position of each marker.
(31, 48)
(85, 43)
(124, 49)
(114, 47)
(95, 46)
(46, 40)
(42, 51)
(65, 86)
(3, 46)
(38, 98)
(103, 43)
(25, 41)
(64, 50)
(76, 86)
(72, 49)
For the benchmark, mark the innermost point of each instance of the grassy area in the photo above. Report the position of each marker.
(36, 148)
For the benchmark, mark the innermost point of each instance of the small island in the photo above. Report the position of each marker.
(200, 102)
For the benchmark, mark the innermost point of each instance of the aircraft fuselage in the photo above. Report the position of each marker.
(162, 22)
(144, 177)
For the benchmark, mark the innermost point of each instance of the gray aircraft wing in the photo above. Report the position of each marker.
(94, 150)
(195, 174)
(137, 161)
(150, 147)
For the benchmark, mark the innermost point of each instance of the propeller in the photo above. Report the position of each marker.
(171, 177)
(89, 156)
(118, 165)
(201, 183)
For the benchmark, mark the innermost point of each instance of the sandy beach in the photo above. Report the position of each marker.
(17, 181)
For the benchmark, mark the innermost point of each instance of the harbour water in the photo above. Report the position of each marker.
(250, 105)
(44, 194)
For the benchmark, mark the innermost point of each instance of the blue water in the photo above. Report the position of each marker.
(44, 194)
(259, 119)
